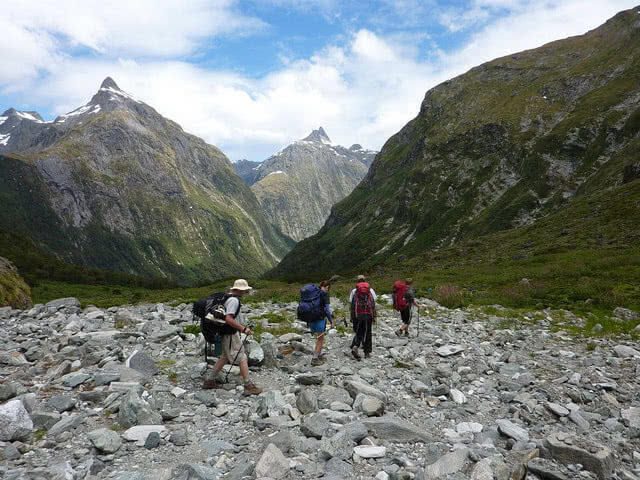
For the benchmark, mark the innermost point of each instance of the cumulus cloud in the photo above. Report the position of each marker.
(362, 88)
(528, 24)
(36, 34)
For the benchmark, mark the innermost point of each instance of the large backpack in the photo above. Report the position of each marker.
(400, 290)
(362, 302)
(214, 324)
(311, 305)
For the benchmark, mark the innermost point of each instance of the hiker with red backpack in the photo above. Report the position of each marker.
(404, 299)
(363, 314)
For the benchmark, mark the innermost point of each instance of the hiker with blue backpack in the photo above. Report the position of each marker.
(315, 309)
(363, 314)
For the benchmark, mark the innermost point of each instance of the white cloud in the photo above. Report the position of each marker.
(34, 33)
(530, 24)
(362, 89)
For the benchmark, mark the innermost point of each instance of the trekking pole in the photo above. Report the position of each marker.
(418, 312)
(226, 378)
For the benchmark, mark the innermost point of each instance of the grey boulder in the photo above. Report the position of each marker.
(272, 463)
(15, 422)
(105, 440)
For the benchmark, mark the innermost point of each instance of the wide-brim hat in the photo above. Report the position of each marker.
(241, 284)
(361, 278)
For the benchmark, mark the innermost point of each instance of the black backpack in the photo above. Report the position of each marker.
(214, 305)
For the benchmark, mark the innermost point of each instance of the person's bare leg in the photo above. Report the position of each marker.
(244, 370)
(222, 361)
(212, 382)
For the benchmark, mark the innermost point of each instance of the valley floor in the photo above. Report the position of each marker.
(477, 394)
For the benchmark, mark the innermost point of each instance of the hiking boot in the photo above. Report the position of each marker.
(354, 352)
(211, 384)
(399, 332)
(315, 361)
(406, 333)
(251, 389)
(367, 354)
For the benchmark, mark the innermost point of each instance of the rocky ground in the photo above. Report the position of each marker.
(116, 394)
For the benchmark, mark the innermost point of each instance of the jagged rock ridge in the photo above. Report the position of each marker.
(115, 185)
(498, 147)
(298, 185)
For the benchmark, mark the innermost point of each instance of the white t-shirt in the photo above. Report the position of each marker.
(373, 294)
(230, 307)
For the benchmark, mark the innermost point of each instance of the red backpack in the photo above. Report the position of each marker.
(363, 300)
(400, 289)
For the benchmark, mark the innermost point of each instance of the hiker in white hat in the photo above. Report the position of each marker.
(232, 345)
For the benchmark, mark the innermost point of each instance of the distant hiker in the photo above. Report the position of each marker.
(363, 314)
(232, 345)
(404, 299)
(314, 309)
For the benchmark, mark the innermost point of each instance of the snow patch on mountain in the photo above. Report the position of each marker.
(88, 109)
(28, 116)
(115, 91)
(4, 139)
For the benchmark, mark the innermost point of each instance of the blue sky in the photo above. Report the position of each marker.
(252, 76)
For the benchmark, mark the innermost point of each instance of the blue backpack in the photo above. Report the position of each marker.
(311, 306)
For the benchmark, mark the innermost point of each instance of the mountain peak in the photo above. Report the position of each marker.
(318, 135)
(109, 83)
(27, 115)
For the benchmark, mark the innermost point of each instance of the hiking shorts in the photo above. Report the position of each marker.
(405, 315)
(232, 346)
(318, 326)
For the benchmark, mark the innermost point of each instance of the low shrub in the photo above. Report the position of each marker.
(449, 296)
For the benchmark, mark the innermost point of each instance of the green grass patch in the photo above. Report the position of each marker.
(172, 376)
(165, 363)
(193, 329)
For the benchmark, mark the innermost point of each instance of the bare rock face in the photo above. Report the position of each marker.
(298, 185)
(115, 185)
(14, 292)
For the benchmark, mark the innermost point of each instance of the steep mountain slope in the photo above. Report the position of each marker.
(298, 185)
(115, 185)
(247, 170)
(495, 148)
(14, 292)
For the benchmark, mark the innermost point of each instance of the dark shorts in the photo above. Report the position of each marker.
(318, 326)
(405, 315)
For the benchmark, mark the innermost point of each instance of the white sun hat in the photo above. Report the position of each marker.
(241, 284)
